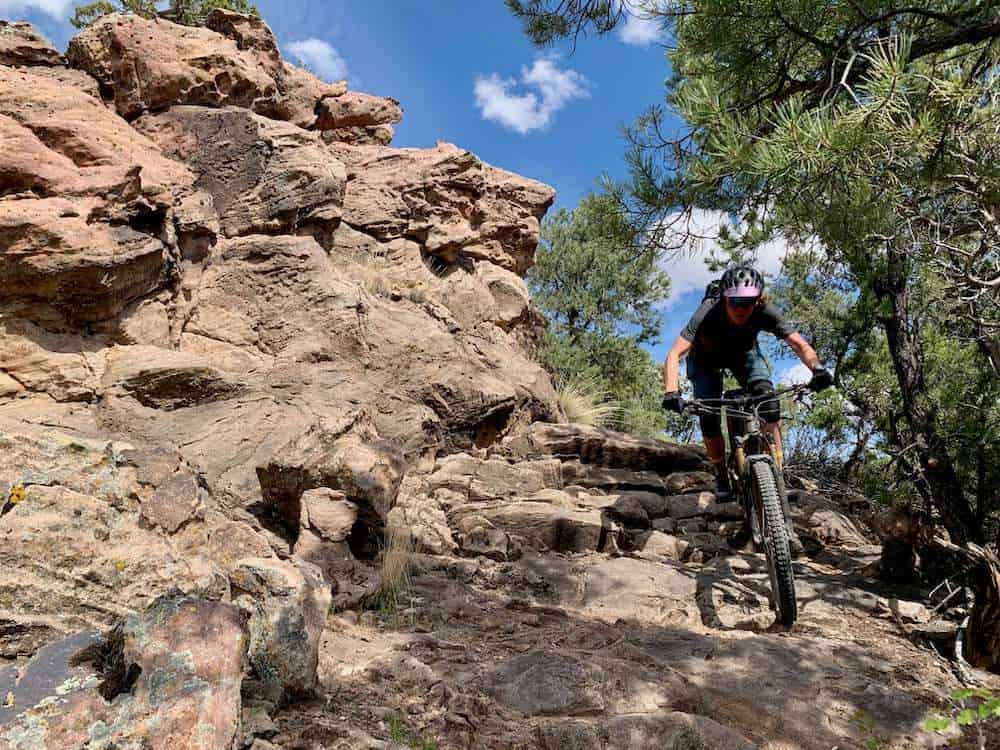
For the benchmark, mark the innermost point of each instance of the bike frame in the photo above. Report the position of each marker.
(748, 443)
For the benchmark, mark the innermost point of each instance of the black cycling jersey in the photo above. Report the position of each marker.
(714, 336)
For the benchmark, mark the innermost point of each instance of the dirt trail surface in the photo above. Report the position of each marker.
(243, 341)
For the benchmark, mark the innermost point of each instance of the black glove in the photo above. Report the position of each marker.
(672, 401)
(821, 379)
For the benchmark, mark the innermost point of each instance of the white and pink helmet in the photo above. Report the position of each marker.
(742, 281)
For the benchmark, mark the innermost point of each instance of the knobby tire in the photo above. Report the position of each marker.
(776, 548)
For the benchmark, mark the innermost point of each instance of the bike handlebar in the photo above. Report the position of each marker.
(748, 401)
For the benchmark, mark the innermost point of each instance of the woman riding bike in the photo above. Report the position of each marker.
(722, 335)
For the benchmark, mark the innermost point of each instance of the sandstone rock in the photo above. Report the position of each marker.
(687, 506)
(265, 177)
(76, 79)
(62, 366)
(301, 93)
(485, 480)
(20, 44)
(173, 503)
(361, 135)
(178, 64)
(287, 604)
(731, 511)
(350, 458)
(706, 546)
(655, 505)
(325, 525)
(685, 482)
(74, 553)
(89, 151)
(593, 445)
(353, 109)
(613, 480)
(541, 683)
(541, 525)
(692, 526)
(738, 602)
(629, 511)
(825, 521)
(164, 379)
(476, 535)
(174, 673)
(659, 592)
(668, 525)
(443, 187)
(655, 544)
(87, 271)
(422, 515)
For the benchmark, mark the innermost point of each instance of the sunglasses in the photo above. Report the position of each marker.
(742, 302)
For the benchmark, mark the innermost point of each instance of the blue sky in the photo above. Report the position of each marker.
(465, 73)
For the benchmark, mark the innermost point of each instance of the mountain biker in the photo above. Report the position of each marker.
(722, 335)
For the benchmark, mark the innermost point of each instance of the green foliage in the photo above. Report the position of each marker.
(600, 289)
(975, 708)
(399, 734)
(84, 15)
(544, 23)
(864, 130)
(187, 12)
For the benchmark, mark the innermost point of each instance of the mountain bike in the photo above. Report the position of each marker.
(758, 486)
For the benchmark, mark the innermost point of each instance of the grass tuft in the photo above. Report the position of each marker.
(584, 401)
(397, 564)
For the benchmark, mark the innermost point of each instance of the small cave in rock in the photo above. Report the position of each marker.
(367, 536)
(493, 428)
(444, 266)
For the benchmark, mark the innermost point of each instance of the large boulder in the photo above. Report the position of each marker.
(149, 65)
(166, 678)
(287, 604)
(101, 528)
(447, 200)
(21, 44)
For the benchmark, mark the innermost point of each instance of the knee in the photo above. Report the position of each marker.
(711, 425)
(770, 410)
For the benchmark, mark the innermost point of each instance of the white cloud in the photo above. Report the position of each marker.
(696, 237)
(59, 9)
(640, 30)
(320, 57)
(498, 100)
(797, 373)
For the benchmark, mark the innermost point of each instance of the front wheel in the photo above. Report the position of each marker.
(768, 510)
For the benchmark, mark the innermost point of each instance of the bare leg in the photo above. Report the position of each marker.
(716, 449)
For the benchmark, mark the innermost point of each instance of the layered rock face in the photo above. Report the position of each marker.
(243, 341)
(223, 293)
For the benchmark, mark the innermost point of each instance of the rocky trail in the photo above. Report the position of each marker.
(244, 341)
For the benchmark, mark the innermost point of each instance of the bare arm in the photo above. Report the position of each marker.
(803, 351)
(671, 366)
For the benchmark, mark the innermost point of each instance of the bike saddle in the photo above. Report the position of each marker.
(735, 393)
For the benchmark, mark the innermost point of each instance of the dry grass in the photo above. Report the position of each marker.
(397, 564)
(584, 401)
(370, 270)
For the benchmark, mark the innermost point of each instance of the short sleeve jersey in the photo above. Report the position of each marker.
(711, 333)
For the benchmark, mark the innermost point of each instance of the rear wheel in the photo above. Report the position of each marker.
(771, 519)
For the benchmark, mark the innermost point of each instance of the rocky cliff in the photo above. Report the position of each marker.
(241, 336)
